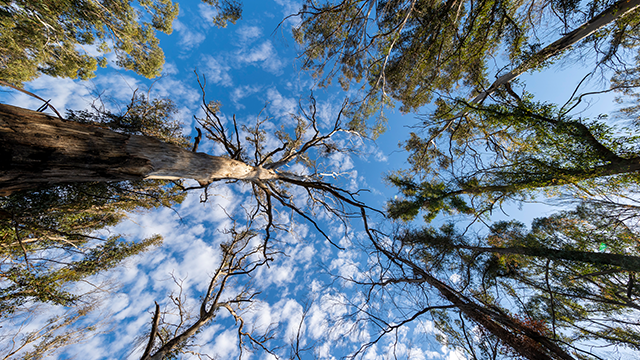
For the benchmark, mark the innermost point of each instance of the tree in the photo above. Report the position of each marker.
(51, 151)
(415, 287)
(52, 237)
(48, 235)
(89, 144)
(241, 256)
(527, 147)
(551, 274)
(496, 303)
(415, 50)
(51, 37)
(227, 11)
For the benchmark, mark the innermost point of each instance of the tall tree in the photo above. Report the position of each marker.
(241, 257)
(509, 151)
(414, 50)
(51, 238)
(431, 290)
(48, 235)
(43, 151)
(85, 152)
(559, 273)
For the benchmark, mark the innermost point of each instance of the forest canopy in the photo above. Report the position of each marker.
(504, 227)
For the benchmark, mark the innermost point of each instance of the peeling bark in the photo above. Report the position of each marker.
(39, 150)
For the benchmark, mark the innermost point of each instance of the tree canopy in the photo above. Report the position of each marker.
(71, 38)
(563, 287)
(414, 50)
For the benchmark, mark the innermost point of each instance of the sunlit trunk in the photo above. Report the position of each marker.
(39, 150)
(614, 12)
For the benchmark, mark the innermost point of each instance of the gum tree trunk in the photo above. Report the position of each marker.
(625, 262)
(614, 12)
(39, 150)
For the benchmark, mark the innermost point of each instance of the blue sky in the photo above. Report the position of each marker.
(250, 67)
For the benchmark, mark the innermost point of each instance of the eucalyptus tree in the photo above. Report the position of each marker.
(414, 50)
(48, 234)
(40, 151)
(559, 275)
(85, 173)
(241, 256)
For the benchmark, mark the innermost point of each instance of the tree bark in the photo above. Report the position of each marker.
(39, 150)
(625, 262)
(530, 344)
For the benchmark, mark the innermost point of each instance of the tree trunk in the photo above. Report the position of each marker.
(39, 150)
(529, 344)
(614, 12)
(625, 262)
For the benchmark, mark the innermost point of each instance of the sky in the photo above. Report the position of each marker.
(252, 69)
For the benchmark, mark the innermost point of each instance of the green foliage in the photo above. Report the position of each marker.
(142, 116)
(408, 49)
(227, 11)
(509, 151)
(53, 37)
(571, 299)
(416, 51)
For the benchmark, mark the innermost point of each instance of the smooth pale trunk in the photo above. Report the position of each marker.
(40, 150)
(614, 12)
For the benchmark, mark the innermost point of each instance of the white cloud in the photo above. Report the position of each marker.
(264, 55)
(455, 278)
(216, 71)
(240, 92)
(456, 354)
(290, 7)
(248, 34)
(189, 38)
(280, 106)
(207, 12)
(425, 327)
(346, 266)
(170, 68)
(176, 90)
(340, 162)
(64, 94)
(226, 344)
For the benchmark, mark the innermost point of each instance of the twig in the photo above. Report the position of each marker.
(46, 102)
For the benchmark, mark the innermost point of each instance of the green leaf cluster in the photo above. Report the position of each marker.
(553, 274)
(509, 151)
(68, 38)
(228, 11)
(142, 116)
